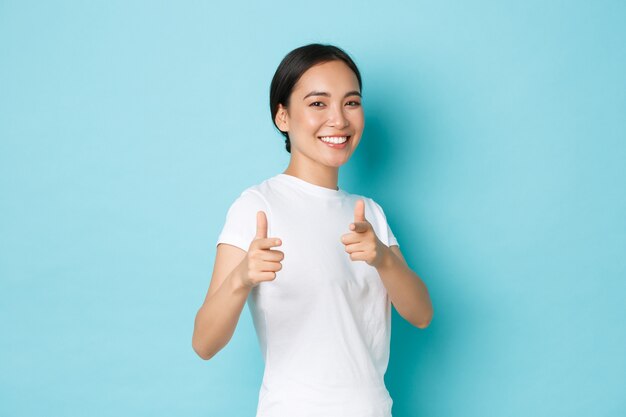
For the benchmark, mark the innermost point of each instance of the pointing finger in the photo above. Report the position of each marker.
(267, 243)
(359, 227)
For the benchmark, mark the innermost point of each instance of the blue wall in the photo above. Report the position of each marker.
(495, 140)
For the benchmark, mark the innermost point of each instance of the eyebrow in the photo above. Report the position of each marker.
(324, 93)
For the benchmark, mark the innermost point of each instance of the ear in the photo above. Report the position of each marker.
(282, 119)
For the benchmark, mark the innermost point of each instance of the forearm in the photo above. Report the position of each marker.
(407, 291)
(217, 319)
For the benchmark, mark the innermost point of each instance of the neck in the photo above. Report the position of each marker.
(314, 172)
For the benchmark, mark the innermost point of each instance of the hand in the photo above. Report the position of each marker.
(362, 243)
(261, 262)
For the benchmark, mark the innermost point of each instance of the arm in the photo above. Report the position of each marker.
(217, 318)
(235, 273)
(407, 291)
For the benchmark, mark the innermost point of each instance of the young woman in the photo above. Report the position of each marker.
(321, 305)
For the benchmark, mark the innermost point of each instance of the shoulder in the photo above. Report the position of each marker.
(241, 218)
(250, 198)
(255, 193)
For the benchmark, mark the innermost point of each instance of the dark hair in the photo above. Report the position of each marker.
(296, 63)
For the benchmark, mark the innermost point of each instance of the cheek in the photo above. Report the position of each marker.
(358, 120)
(312, 120)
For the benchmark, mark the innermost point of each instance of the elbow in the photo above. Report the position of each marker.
(200, 352)
(422, 325)
(425, 322)
(204, 356)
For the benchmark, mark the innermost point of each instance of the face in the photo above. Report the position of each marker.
(324, 102)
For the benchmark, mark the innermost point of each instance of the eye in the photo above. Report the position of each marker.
(354, 103)
(316, 102)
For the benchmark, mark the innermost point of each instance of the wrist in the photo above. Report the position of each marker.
(386, 257)
(237, 283)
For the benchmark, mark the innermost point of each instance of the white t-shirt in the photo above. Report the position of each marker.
(324, 322)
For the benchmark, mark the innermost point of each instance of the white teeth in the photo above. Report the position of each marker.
(334, 139)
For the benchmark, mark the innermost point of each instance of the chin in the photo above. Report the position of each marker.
(335, 162)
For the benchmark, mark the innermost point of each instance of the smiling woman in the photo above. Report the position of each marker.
(321, 306)
(324, 108)
(298, 65)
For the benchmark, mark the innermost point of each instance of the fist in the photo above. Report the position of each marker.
(362, 243)
(261, 262)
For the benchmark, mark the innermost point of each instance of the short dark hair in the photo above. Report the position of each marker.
(296, 63)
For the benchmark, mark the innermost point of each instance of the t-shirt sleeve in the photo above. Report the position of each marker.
(391, 238)
(240, 225)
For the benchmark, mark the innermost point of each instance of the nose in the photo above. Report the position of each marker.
(336, 118)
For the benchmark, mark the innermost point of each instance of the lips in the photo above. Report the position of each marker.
(335, 136)
(341, 145)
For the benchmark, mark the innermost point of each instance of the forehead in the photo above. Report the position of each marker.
(328, 76)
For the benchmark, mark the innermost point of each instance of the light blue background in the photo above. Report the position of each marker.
(495, 140)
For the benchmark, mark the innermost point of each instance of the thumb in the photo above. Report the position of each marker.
(261, 225)
(359, 211)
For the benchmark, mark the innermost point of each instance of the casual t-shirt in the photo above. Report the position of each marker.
(324, 322)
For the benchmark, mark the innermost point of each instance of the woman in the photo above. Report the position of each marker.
(321, 305)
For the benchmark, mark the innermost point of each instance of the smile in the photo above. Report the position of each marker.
(334, 140)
